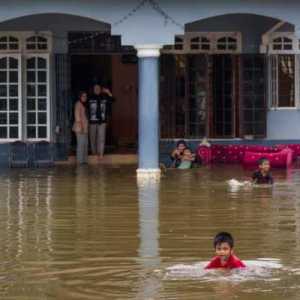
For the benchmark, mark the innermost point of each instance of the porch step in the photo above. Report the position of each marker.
(106, 160)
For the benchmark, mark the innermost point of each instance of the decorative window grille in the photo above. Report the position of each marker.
(200, 43)
(227, 43)
(282, 43)
(37, 43)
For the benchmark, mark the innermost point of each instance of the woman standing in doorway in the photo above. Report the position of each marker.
(99, 110)
(80, 128)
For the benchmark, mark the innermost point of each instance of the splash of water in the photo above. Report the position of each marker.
(260, 269)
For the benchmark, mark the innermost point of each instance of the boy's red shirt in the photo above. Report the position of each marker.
(233, 262)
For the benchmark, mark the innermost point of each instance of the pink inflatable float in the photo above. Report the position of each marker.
(280, 159)
(280, 156)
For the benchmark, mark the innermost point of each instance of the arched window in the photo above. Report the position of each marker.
(36, 43)
(227, 43)
(200, 43)
(9, 43)
(282, 43)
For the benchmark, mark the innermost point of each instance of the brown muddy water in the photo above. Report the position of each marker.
(97, 233)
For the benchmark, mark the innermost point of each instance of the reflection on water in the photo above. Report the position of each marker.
(148, 198)
(90, 233)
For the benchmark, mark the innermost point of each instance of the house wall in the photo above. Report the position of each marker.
(252, 27)
(58, 24)
(146, 24)
(283, 124)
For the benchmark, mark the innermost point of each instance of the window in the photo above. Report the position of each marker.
(9, 97)
(282, 43)
(282, 84)
(37, 101)
(9, 43)
(24, 86)
(178, 43)
(227, 43)
(206, 42)
(36, 43)
(199, 43)
(286, 81)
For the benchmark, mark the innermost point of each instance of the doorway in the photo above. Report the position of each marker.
(118, 72)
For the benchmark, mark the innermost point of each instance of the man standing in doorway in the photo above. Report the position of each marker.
(99, 110)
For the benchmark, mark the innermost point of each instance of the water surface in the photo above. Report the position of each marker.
(97, 233)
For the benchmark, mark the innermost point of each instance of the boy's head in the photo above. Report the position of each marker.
(223, 244)
(264, 165)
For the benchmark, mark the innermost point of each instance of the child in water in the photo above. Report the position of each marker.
(223, 244)
(263, 175)
(187, 159)
(177, 153)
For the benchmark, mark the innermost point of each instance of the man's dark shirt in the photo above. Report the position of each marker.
(99, 108)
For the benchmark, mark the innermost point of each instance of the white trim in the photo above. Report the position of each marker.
(148, 50)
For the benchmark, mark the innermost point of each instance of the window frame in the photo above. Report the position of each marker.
(212, 37)
(273, 89)
(48, 115)
(268, 43)
(20, 108)
(9, 34)
(23, 53)
(200, 43)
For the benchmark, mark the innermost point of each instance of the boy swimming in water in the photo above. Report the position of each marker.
(263, 175)
(223, 244)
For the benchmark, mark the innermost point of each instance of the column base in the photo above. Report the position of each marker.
(148, 173)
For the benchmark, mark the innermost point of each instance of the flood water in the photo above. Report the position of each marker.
(97, 233)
